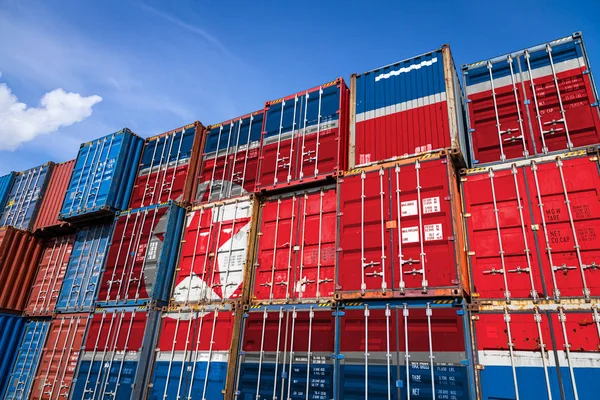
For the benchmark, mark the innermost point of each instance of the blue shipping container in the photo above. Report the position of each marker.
(103, 176)
(80, 284)
(6, 183)
(192, 354)
(21, 377)
(116, 356)
(25, 197)
(11, 331)
(142, 257)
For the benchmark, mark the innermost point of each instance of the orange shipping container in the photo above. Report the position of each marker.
(59, 357)
(49, 276)
(20, 252)
(47, 218)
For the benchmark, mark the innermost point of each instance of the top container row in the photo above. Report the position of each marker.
(529, 103)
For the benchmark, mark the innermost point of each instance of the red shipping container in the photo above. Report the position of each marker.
(169, 166)
(20, 253)
(47, 221)
(532, 102)
(534, 228)
(59, 357)
(296, 247)
(533, 352)
(214, 253)
(49, 277)
(305, 137)
(230, 158)
(400, 230)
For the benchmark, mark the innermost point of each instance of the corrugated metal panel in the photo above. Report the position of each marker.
(534, 228)
(47, 219)
(25, 197)
(59, 357)
(82, 277)
(404, 350)
(49, 277)
(169, 167)
(538, 353)
(214, 252)
(296, 249)
(11, 331)
(230, 159)
(304, 137)
(532, 102)
(20, 380)
(117, 353)
(20, 252)
(286, 353)
(192, 354)
(406, 108)
(6, 183)
(103, 176)
(400, 231)
(141, 260)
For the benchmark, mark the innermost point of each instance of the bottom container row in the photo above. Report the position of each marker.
(372, 350)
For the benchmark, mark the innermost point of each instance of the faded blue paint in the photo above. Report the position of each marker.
(25, 197)
(82, 277)
(103, 176)
(6, 183)
(231, 135)
(21, 377)
(179, 383)
(11, 332)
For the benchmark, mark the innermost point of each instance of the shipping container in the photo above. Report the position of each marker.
(103, 177)
(142, 256)
(6, 183)
(28, 356)
(533, 228)
(230, 159)
(20, 253)
(82, 276)
(406, 108)
(404, 350)
(25, 197)
(11, 331)
(400, 230)
(304, 137)
(531, 352)
(168, 167)
(193, 353)
(116, 354)
(296, 247)
(532, 102)
(47, 220)
(49, 276)
(286, 353)
(217, 247)
(59, 357)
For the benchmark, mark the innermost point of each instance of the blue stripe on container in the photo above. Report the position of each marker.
(179, 382)
(168, 149)
(11, 332)
(231, 142)
(6, 183)
(103, 380)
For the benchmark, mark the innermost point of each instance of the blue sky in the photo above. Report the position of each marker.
(159, 65)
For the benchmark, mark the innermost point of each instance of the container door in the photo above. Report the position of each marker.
(244, 162)
(503, 257)
(364, 206)
(564, 197)
(215, 160)
(192, 353)
(21, 205)
(377, 344)
(286, 354)
(107, 367)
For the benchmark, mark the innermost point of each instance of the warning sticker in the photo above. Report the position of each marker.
(410, 235)
(408, 208)
(431, 205)
(433, 232)
(364, 158)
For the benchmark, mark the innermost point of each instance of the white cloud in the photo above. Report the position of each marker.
(20, 123)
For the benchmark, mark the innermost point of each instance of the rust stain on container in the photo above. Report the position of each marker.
(47, 218)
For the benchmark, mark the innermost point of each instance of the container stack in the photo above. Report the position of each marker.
(531, 216)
